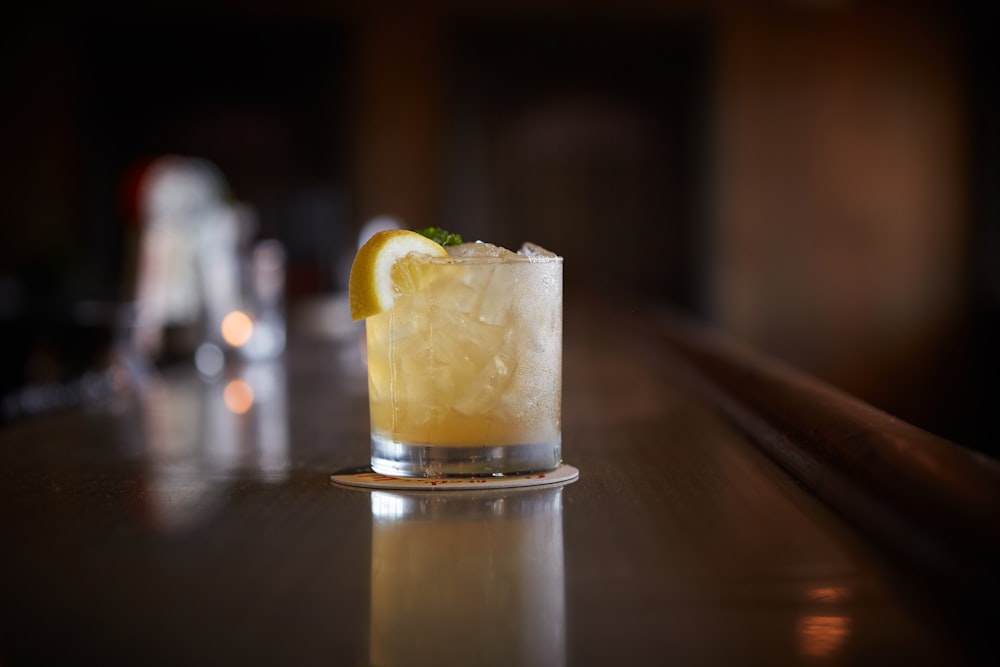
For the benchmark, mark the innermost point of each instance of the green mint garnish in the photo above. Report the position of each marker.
(440, 236)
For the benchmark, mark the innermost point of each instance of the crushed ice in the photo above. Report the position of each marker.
(477, 249)
(483, 249)
(534, 250)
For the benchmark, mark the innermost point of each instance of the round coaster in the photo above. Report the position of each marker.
(367, 478)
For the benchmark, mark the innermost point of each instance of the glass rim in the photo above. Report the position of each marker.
(504, 259)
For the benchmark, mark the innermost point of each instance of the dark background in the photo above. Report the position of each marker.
(604, 131)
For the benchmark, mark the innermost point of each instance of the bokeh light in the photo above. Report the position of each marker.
(237, 328)
(238, 396)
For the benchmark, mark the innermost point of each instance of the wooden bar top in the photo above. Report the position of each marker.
(728, 512)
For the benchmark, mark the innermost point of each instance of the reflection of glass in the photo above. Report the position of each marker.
(465, 373)
(467, 579)
(823, 633)
(268, 385)
(822, 636)
(173, 417)
(199, 433)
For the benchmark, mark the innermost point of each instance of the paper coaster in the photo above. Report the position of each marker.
(369, 479)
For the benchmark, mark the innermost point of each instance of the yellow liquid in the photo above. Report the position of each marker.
(499, 602)
(474, 358)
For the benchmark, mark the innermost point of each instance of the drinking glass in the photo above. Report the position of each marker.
(465, 372)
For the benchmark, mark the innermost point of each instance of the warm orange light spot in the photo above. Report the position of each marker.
(238, 396)
(237, 328)
(830, 594)
(822, 636)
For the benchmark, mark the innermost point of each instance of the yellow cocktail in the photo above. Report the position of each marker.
(465, 366)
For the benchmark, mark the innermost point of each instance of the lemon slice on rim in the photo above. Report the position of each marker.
(380, 271)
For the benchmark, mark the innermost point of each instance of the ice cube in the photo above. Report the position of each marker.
(534, 250)
(478, 249)
(483, 388)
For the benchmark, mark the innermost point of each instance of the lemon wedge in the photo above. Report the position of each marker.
(381, 272)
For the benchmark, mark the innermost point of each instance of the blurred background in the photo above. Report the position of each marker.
(817, 177)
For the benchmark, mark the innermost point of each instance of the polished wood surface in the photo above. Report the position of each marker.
(934, 504)
(186, 525)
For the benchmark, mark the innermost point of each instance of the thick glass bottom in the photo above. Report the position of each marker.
(400, 459)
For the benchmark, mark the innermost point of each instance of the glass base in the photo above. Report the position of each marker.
(399, 459)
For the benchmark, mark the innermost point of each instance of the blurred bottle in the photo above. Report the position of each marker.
(200, 287)
(186, 276)
(265, 286)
